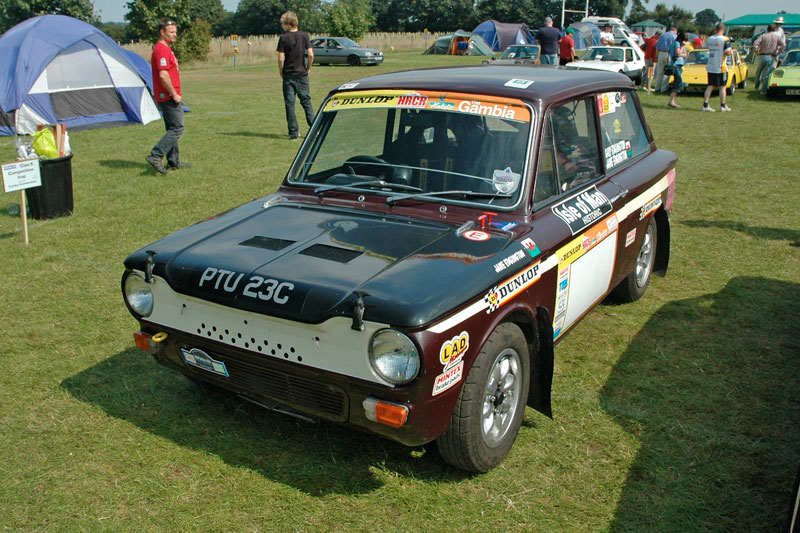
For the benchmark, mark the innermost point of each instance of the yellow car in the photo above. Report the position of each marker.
(695, 75)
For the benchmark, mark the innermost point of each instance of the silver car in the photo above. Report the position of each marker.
(341, 50)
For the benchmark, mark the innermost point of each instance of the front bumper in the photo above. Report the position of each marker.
(372, 60)
(309, 392)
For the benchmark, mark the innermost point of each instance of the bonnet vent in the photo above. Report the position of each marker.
(331, 253)
(267, 243)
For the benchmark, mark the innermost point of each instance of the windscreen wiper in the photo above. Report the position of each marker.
(462, 194)
(380, 184)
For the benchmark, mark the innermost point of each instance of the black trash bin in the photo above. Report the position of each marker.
(54, 197)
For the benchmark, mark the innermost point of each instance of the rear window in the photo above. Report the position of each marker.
(621, 128)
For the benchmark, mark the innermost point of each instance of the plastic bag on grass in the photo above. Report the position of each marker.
(44, 142)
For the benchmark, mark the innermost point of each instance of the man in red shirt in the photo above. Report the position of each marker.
(650, 58)
(567, 48)
(167, 92)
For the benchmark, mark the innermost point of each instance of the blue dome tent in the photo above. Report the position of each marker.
(57, 69)
(500, 35)
(585, 34)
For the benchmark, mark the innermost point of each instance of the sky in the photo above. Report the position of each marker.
(114, 10)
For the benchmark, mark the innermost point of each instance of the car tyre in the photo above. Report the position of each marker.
(634, 286)
(353, 61)
(490, 408)
(732, 89)
(743, 85)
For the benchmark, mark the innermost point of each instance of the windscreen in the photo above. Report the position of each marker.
(425, 143)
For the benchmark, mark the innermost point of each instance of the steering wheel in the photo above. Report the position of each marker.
(358, 161)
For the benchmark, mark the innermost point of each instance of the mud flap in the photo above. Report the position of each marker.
(542, 365)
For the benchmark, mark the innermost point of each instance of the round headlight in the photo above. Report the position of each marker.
(393, 356)
(139, 295)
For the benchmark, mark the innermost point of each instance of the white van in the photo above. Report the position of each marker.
(618, 28)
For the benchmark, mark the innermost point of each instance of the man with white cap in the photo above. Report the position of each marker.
(778, 22)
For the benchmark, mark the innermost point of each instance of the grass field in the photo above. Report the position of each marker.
(676, 413)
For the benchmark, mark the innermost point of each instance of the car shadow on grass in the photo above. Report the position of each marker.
(777, 234)
(710, 387)
(316, 458)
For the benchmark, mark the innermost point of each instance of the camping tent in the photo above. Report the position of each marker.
(499, 35)
(649, 27)
(460, 43)
(585, 34)
(57, 69)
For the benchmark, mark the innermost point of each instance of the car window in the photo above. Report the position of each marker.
(433, 142)
(697, 57)
(568, 155)
(792, 59)
(334, 44)
(621, 128)
(318, 43)
(628, 55)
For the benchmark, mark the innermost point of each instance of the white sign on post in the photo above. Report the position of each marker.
(21, 175)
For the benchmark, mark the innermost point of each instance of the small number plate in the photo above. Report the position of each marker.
(793, 91)
(201, 359)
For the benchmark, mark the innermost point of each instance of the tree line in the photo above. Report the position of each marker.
(200, 20)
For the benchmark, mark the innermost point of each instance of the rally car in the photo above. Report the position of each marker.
(437, 234)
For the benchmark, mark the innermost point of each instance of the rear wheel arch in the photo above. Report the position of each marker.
(662, 243)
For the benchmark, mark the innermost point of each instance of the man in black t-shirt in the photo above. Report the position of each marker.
(294, 68)
(548, 37)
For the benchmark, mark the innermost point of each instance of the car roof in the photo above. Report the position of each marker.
(549, 83)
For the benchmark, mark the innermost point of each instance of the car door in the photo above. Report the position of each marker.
(336, 52)
(318, 46)
(575, 221)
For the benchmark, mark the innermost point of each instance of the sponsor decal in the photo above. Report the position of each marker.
(649, 207)
(583, 209)
(617, 153)
(505, 226)
(505, 181)
(441, 103)
(345, 86)
(608, 102)
(518, 84)
(507, 290)
(414, 100)
(532, 247)
(508, 261)
(476, 235)
(452, 351)
(448, 378)
(200, 359)
(630, 237)
(491, 109)
(508, 108)
(257, 287)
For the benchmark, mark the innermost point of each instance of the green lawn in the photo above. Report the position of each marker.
(676, 413)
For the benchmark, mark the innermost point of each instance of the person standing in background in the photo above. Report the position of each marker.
(650, 56)
(167, 92)
(677, 55)
(548, 37)
(295, 57)
(719, 47)
(606, 36)
(567, 48)
(663, 46)
(778, 23)
(768, 46)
